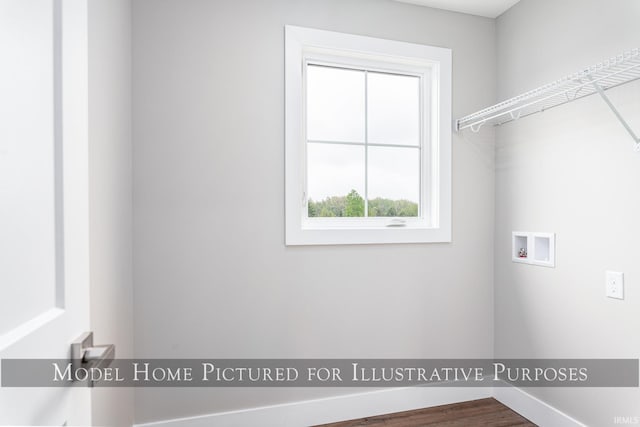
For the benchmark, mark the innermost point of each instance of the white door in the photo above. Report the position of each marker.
(44, 259)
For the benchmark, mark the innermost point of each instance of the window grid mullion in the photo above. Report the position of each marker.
(361, 144)
(366, 144)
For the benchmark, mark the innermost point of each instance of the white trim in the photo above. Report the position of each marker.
(532, 408)
(304, 43)
(379, 402)
(333, 409)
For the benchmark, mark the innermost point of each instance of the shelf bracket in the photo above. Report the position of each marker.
(617, 113)
(475, 128)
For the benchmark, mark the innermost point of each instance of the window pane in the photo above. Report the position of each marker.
(335, 104)
(335, 180)
(394, 181)
(394, 109)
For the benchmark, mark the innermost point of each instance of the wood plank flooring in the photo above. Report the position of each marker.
(483, 412)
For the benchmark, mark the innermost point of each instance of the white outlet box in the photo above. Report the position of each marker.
(533, 248)
(615, 284)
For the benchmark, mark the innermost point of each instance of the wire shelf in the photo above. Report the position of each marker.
(598, 78)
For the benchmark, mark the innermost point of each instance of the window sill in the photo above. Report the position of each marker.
(367, 236)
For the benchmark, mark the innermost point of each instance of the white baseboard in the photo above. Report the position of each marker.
(532, 408)
(372, 403)
(339, 408)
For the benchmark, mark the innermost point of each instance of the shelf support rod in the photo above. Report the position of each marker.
(617, 113)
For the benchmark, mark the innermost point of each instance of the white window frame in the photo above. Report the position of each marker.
(433, 66)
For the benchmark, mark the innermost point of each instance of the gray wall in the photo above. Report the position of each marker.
(572, 171)
(213, 277)
(110, 181)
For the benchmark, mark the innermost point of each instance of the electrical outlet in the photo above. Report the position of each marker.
(615, 285)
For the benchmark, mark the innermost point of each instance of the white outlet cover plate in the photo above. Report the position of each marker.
(615, 285)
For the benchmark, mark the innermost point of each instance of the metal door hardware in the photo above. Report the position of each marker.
(85, 355)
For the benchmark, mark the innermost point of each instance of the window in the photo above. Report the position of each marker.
(368, 140)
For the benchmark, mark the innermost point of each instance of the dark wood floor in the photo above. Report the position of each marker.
(483, 412)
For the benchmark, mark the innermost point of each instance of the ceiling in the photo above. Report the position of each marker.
(488, 8)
